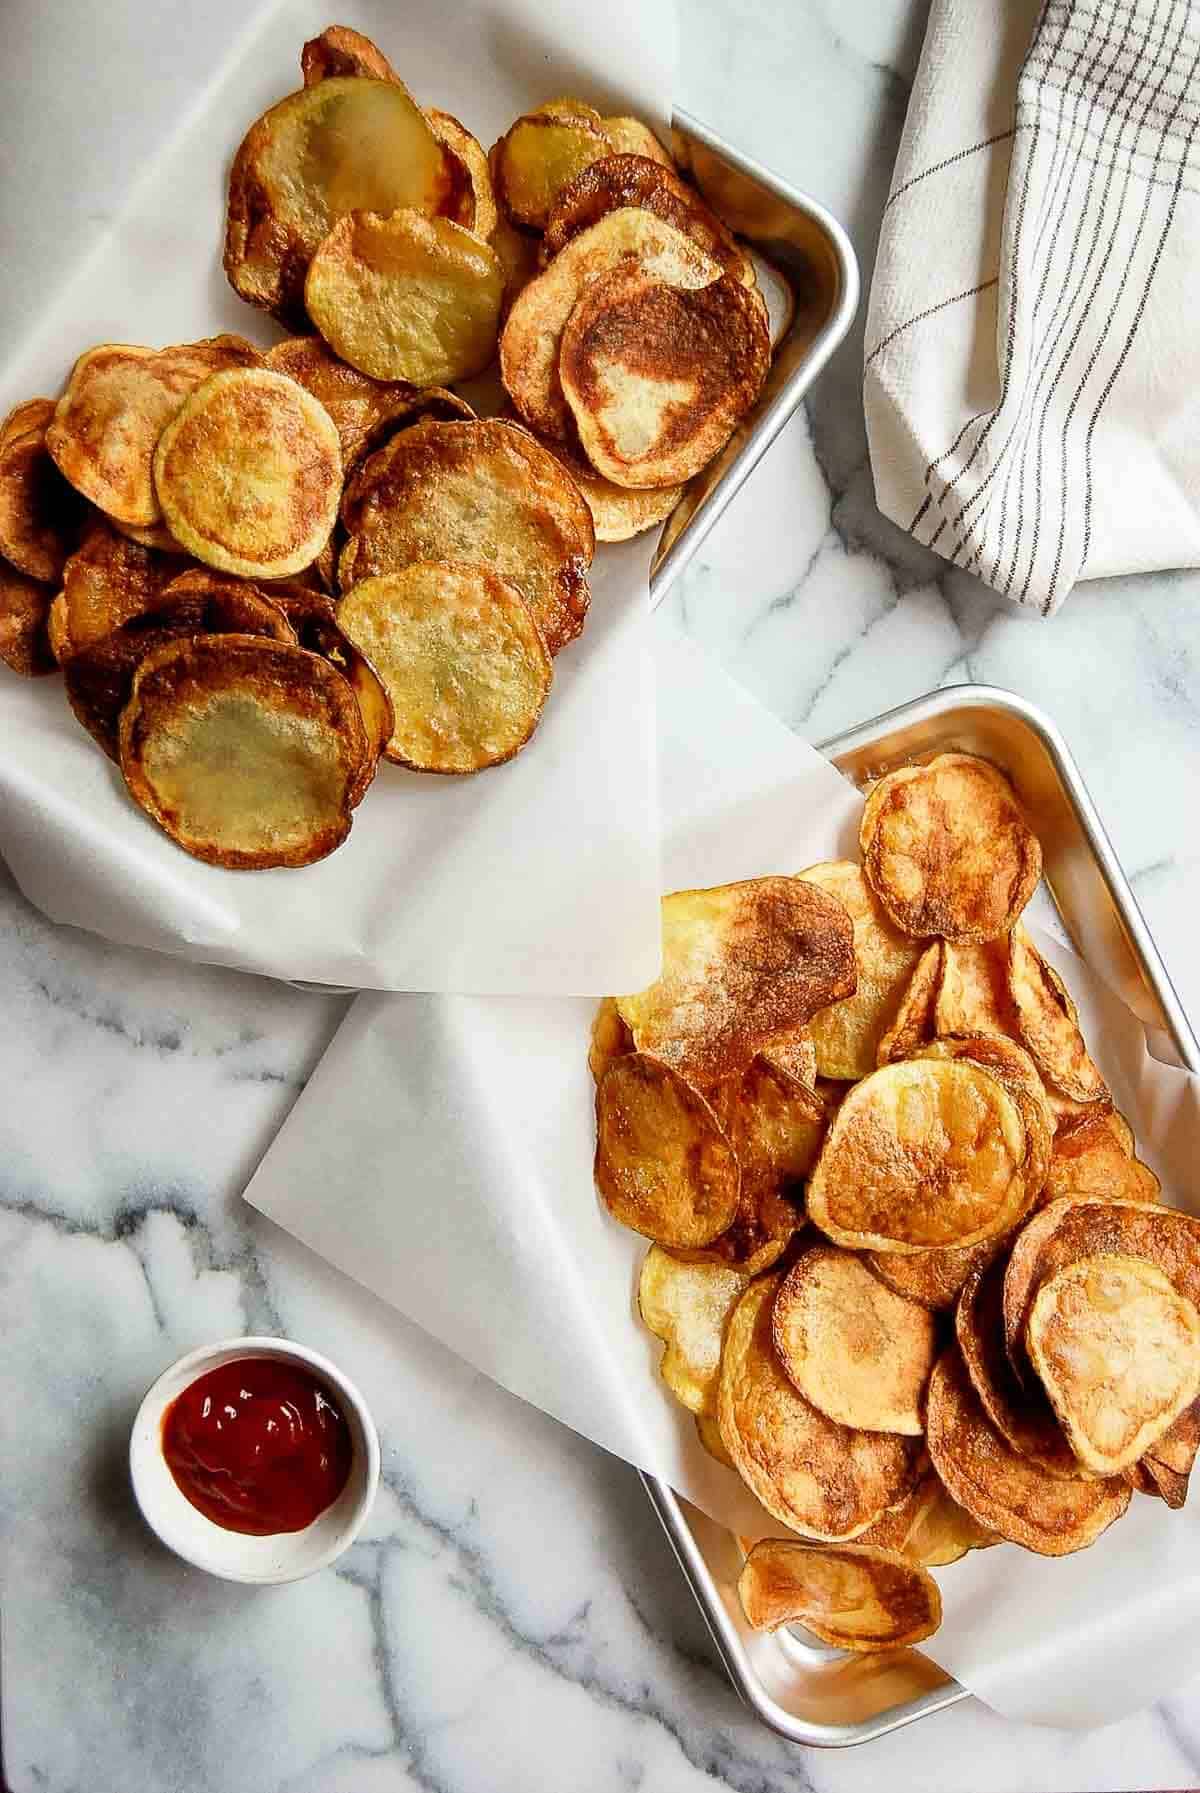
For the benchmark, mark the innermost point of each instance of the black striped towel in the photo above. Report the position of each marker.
(1032, 365)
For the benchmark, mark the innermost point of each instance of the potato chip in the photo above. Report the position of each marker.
(40, 513)
(150, 535)
(1093, 1156)
(610, 1038)
(856, 1598)
(1118, 1353)
(249, 473)
(914, 1024)
(457, 139)
(532, 334)
(921, 1154)
(636, 180)
(658, 376)
(664, 1167)
(406, 297)
(973, 993)
(1048, 1023)
(342, 51)
(118, 400)
(630, 137)
(929, 1527)
(708, 1432)
(243, 750)
(107, 580)
(356, 403)
(539, 155)
(742, 963)
(99, 679)
(1012, 1066)
(947, 849)
(822, 1479)
(482, 492)
(856, 1351)
(933, 1278)
(618, 512)
(687, 1305)
(464, 664)
(518, 256)
(24, 610)
(1023, 1417)
(794, 1052)
(1169, 1462)
(1008, 1493)
(346, 143)
(846, 1036)
(775, 1126)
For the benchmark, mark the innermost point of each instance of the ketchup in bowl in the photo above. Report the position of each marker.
(258, 1446)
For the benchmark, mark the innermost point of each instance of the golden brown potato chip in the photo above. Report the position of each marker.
(847, 1035)
(973, 993)
(1048, 1023)
(630, 137)
(929, 1527)
(914, 1024)
(927, 1153)
(406, 297)
(1073, 1228)
(856, 1351)
(822, 1479)
(347, 143)
(99, 680)
(532, 334)
(658, 376)
(775, 1126)
(794, 1052)
(742, 963)
(1012, 1066)
(356, 403)
(243, 750)
(107, 580)
(687, 1305)
(610, 1038)
(1008, 1493)
(249, 474)
(947, 849)
(538, 156)
(663, 1165)
(1169, 1463)
(118, 400)
(708, 1432)
(1118, 1353)
(1093, 1156)
(464, 664)
(1024, 1418)
(479, 491)
(617, 511)
(518, 253)
(40, 513)
(858, 1597)
(24, 610)
(342, 51)
(152, 535)
(470, 153)
(933, 1278)
(636, 180)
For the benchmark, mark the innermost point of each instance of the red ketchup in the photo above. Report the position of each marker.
(258, 1446)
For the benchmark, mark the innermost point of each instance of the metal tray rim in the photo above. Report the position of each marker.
(666, 1502)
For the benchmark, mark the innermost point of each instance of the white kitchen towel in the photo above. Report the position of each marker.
(1032, 362)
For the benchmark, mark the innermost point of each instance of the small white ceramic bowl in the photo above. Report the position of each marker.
(284, 1556)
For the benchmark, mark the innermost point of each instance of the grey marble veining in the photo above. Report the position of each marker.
(511, 1618)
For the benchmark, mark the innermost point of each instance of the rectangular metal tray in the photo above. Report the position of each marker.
(804, 1691)
(813, 253)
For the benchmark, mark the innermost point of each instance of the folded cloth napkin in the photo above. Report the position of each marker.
(1032, 361)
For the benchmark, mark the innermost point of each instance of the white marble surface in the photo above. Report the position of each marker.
(512, 1619)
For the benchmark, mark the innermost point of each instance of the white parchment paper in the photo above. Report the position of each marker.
(539, 877)
(441, 1155)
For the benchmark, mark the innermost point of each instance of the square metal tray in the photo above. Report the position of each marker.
(806, 1692)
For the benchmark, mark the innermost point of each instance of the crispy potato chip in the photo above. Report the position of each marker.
(636, 180)
(973, 993)
(1093, 1156)
(775, 1126)
(914, 1023)
(1073, 1228)
(1008, 1493)
(40, 514)
(469, 151)
(406, 297)
(118, 400)
(243, 750)
(342, 51)
(618, 512)
(630, 137)
(947, 849)
(249, 473)
(24, 611)
(356, 403)
(858, 1597)
(794, 1052)
(1169, 1462)
(107, 580)
(822, 1479)
(847, 1035)
(532, 334)
(518, 254)
(99, 680)
(709, 1433)
(568, 108)
(1012, 1066)
(657, 376)
(856, 1351)
(933, 1278)
(477, 491)
(929, 1527)
(663, 1165)
(347, 143)
(927, 1153)
(1140, 1480)
(539, 155)
(742, 963)
(1048, 1022)
(610, 1038)
(1024, 1418)
(150, 535)
(314, 619)
(687, 1305)
(1118, 1353)
(464, 664)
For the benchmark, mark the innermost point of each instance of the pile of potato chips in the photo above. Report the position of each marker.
(262, 570)
(911, 1277)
